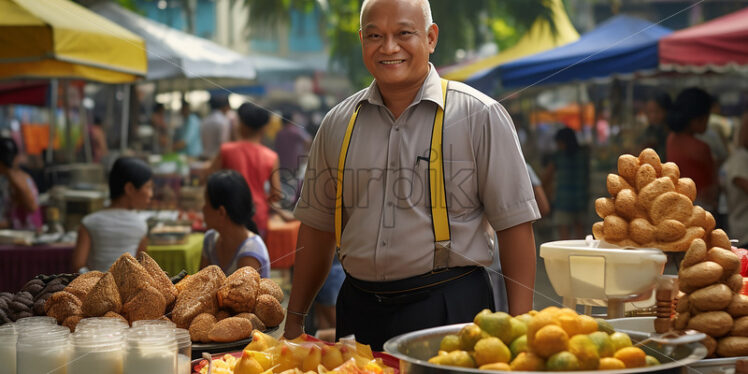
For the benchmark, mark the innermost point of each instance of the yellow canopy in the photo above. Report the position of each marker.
(61, 39)
(538, 39)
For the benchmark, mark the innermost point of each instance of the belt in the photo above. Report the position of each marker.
(418, 283)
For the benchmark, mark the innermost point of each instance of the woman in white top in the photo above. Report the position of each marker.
(232, 241)
(105, 235)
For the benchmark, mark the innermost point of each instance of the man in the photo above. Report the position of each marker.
(292, 144)
(405, 270)
(189, 141)
(216, 127)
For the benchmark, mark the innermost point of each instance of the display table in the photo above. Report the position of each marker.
(174, 258)
(281, 242)
(21, 263)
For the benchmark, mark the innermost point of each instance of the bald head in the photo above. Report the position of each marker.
(424, 5)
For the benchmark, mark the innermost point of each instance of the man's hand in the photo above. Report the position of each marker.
(517, 255)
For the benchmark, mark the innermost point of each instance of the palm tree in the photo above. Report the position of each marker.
(464, 25)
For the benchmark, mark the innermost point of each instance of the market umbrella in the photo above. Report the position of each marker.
(178, 58)
(60, 39)
(620, 45)
(719, 45)
(539, 38)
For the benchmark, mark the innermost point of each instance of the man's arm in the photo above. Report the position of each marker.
(517, 255)
(314, 253)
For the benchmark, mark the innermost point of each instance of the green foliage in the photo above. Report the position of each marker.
(462, 24)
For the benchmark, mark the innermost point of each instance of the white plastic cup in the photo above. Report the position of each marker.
(150, 351)
(8, 340)
(43, 350)
(96, 351)
(184, 351)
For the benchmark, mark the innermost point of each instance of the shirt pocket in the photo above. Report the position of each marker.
(461, 181)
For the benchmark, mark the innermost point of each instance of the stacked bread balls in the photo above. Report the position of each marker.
(710, 282)
(650, 206)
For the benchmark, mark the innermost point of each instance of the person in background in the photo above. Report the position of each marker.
(216, 127)
(189, 141)
(292, 144)
(687, 118)
(544, 207)
(232, 239)
(257, 163)
(99, 146)
(18, 192)
(569, 169)
(655, 135)
(160, 127)
(736, 169)
(105, 235)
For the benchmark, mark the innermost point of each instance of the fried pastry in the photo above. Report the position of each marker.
(239, 291)
(62, 305)
(103, 298)
(230, 329)
(160, 280)
(83, 284)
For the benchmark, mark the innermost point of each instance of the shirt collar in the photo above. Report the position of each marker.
(430, 90)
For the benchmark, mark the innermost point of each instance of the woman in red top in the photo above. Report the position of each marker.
(689, 116)
(257, 163)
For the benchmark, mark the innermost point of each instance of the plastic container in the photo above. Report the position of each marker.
(43, 350)
(150, 351)
(96, 351)
(184, 351)
(102, 323)
(148, 323)
(8, 339)
(580, 269)
(35, 321)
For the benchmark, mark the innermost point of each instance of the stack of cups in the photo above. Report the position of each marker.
(151, 348)
(96, 349)
(42, 348)
(8, 339)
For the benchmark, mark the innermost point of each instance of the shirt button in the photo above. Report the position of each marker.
(392, 164)
(397, 129)
(384, 243)
(390, 203)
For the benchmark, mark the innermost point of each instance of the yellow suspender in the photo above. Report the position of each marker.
(437, 192)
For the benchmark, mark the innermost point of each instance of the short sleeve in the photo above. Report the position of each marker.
(503, 180)
(208, 243)
(316, 205)
(534, 180)
(256, 249)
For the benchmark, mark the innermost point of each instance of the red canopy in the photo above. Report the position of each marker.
(720, 45)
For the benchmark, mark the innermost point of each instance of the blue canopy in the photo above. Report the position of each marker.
(620, 45)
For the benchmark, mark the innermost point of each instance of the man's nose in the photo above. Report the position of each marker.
(390, 45)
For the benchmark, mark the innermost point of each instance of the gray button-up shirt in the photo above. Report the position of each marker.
(387, 228)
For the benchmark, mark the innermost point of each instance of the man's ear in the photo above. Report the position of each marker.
(222, 211)
(433, 37)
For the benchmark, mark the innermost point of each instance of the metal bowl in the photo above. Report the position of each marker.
(415, 348)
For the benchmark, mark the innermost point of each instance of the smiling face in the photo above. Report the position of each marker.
(396, 41)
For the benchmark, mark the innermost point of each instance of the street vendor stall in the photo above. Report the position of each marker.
(718, 45)
(620, 45)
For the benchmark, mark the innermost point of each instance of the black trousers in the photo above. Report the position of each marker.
(377, 311)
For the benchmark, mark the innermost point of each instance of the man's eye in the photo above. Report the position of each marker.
(373, 36)
(406, 33)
